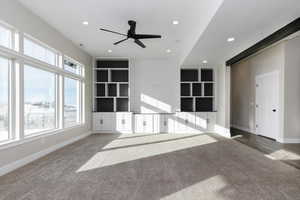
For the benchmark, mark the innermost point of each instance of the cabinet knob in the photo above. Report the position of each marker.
(144, 123)
(101, 121)
(123, 121)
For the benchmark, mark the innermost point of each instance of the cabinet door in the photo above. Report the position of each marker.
(211, 121)
(201, 122)
(167, 123)
(139, 123)
(97, 122)
(163, 123)
(185, 122)
(123, 122)
(148, 123)
(104, 122)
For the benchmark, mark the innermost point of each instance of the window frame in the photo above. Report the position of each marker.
(79, 97)
(81, 70)
(17, 61)
(55, 99)
(43, 45)
(9, 100)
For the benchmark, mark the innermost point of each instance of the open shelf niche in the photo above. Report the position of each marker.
(197, 90)
(111, 86)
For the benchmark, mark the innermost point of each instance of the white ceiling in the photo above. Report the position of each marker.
(248, 21)
(152, 16)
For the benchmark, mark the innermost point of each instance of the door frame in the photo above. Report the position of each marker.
(277, 73)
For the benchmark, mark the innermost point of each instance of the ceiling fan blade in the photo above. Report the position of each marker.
(138, 42)
(120, 41)
(102, 29)
(144, 36)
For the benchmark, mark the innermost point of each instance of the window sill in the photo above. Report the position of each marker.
(33, 137)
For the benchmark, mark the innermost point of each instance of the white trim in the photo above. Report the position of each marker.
(30, 138)
(222, 131)
(243, 128)
(19, 163)
(114, 132)
(289, 140)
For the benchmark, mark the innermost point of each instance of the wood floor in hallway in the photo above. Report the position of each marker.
(152, 167)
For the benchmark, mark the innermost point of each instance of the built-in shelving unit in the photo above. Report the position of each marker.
(111, 86)
(197, 90)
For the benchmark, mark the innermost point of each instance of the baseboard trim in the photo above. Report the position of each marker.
(20, 163)
(222, 131)
(243, 128)
(289, 141)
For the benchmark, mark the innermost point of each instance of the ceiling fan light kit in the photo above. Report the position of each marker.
(132, 35)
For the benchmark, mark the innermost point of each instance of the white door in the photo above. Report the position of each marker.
(267, 105)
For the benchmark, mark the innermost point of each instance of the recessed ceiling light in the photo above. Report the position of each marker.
(168, 50)
(204, 61)
(85, 23)
(231, 39)
(109, 50)
(175, 22)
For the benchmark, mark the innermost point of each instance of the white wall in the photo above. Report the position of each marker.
(16, 15)
(292, 91)
(222, 126)
(156, 86)
(243, 84)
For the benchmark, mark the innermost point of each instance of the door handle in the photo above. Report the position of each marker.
(123, 121)
(101, 121)
(274, 110)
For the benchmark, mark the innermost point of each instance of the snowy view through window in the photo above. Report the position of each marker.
(4, 111)
(71, 111)
(39, 99)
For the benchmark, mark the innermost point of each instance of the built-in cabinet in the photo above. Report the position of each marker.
(197, 88)
(112, 113)
(181, 122)
(111, 86)
(115, 122)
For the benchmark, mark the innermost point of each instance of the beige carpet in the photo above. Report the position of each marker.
(142, 167)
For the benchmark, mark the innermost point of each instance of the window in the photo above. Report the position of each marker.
(73, 66)
(5, 36)
(39, 100)
(4, 99)
(71, 102)
(40, 52)
(41, 89)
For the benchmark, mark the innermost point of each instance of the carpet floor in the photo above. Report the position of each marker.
(152, 167)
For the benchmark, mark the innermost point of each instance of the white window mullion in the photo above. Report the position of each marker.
(60, 101)
(78, 101)
(19, 100)
(12, 100)
(82, 103)
(57, 101)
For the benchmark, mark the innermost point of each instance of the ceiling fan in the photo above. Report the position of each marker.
(132, 35)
